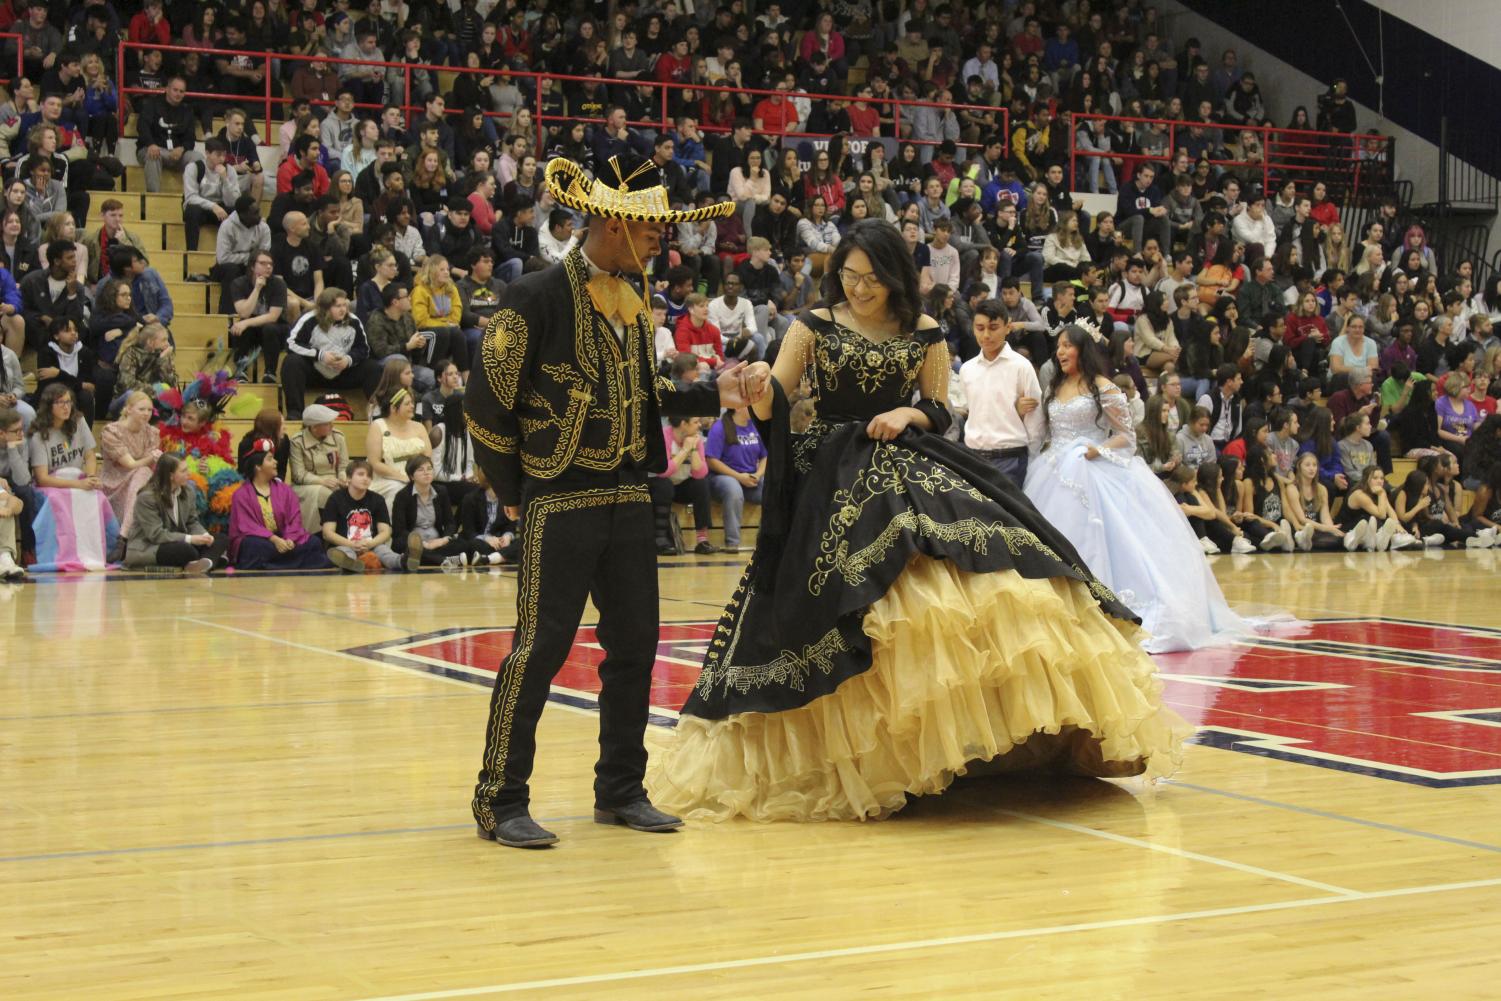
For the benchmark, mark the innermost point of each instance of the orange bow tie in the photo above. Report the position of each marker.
(615, 299)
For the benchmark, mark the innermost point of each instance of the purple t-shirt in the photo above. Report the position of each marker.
(744, 455)
(1457, 421)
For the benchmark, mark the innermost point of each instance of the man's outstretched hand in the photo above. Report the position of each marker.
(741, 385)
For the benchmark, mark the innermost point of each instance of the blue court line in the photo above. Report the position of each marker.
(293, 839)
(233, 705)
(1327, 815)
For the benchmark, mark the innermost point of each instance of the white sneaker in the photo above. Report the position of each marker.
(1242, 545)
(1304, 538)
(493, 559)
(1475, 542)
(198, 568)
(1386, 533)
(1404, 541)
(451, 563)
(1210, 549)
(1368, 534)
(8, 568)
(1354, 538)
(1277, 540)
(1489, 535)
(1433, 541)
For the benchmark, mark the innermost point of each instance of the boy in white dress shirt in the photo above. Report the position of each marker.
(1001, 388)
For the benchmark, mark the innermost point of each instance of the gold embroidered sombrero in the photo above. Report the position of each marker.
(634, 192)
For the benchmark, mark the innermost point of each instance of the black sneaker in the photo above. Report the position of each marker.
(704, 548)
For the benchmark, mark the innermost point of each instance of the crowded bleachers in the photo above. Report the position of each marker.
(327, 203)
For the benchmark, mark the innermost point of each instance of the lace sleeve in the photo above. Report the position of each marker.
(795, 357)
(933, 378)
(1121, 445)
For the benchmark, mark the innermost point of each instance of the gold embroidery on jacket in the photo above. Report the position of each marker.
(503, 353)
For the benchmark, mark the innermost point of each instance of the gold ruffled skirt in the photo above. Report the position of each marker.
(967, 669)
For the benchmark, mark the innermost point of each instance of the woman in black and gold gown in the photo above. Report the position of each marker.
(907, 614)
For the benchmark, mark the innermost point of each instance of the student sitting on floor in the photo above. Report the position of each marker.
(165, 530)
(357, 526)
(265, 522)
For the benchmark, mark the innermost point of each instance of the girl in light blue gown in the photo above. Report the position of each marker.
(1089, 482)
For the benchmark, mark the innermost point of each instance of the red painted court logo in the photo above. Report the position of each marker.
(1414, 702)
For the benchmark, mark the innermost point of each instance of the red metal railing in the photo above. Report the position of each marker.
(1350, 164)
(270, 98)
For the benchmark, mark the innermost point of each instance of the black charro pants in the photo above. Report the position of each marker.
(584, 535)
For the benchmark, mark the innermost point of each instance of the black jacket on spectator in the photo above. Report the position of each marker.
(474, 517)
(404, 515)
(762, 285)
(37, 301)
(779, 230)
(164, 125)
(512, 241)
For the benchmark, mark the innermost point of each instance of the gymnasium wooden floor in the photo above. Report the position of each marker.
(259, 787)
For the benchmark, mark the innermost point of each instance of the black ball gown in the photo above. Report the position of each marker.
(906, 615)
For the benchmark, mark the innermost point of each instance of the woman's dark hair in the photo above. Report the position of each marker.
(1320, 431)
(456, 440)
(727, 427)
(1209, 476)
(160, 483)
(42, 423)
(1155, 307)
(890, 261)
(1415, 423)
(1366, 475)
(1091, 369)
(1414, 486)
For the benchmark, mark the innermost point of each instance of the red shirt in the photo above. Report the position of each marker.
(290, 168)
(864, 122)
(142, 30)
(775, 118)
(1299, 327)
(703, 342)
(671, 69)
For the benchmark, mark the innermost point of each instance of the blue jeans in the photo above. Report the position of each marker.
(732, 496)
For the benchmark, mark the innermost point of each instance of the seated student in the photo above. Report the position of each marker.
(695, 335)
(150, 299)
(15, 491)
(317, 458)
(442, 414)
(64, 360)
(75, 527)
(131, 445)
(1369, 517)
(267, 426)
(1194, 443)
(483, 518)
(1306, 502)
(1258, 508)
(1482, 473)
(437, 310)
(479, 298)
(165, 530)
(685, 481)
(1183, 484)
(356, 525)
(327, 348)
(514, 240)
(210, 189)
(259, 326)
(1355, 450)
(426, 531)
(265, 522)
(460, 235)
(1210, 518)
(737, 459)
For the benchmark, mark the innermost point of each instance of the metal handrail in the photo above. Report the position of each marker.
(270, 100)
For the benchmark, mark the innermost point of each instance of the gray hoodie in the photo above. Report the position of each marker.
(236, 241)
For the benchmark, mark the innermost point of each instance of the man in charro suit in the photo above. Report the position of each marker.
(565, 411)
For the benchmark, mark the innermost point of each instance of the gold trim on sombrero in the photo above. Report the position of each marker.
(570, 186)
